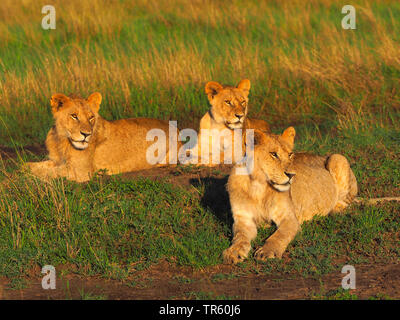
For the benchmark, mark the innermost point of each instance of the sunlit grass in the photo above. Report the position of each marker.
(152, 58)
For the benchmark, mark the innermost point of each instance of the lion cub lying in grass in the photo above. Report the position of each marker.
(286, 189)
(228, 112)
(81, 142)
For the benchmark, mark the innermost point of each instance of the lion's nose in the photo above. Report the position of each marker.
(85, 134)
(290, 175)
(239, 116)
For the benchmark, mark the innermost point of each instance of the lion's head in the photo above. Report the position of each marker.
(273, 157)
(229, 104)
(76, 118)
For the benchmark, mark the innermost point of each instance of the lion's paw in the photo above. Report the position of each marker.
(268, 251)
(37, 169)
(235, 254)
(30, 167)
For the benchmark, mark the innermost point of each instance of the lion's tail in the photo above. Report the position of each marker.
(376, 200)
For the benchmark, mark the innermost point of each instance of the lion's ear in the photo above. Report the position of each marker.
(288, 135)
(57, 101)
(259, 137)
(95, 100)
(212, 88)
(244, 85)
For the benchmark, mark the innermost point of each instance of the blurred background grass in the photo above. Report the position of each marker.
(152, 58)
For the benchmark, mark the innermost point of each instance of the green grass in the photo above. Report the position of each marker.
(202, 295)
(90, 296)
(111, 228)
(338, 294)
(115, 227)
(342, 294)
(182, 280)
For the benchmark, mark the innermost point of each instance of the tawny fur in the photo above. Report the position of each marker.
(286, 189)
(229, 108)
(114, 146)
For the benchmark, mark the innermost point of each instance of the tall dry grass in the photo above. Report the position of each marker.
(153, 58)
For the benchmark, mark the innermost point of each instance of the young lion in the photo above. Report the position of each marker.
(81, 142)
(287, 189)
(228, 112)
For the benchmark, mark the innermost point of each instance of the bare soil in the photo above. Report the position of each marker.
(164, 281)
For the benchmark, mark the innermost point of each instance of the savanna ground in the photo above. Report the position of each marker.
(160, 233)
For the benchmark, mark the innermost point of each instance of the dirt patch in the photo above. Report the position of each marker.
(164, 281)
(181, 176)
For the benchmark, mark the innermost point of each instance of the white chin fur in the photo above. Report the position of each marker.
(238, 125)
(79, 145)
(281, 187)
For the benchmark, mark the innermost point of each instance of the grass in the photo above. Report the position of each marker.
(115, 227)
(339, 88)
(341, 294)
(150, 58)
(202, 295)
(338, 294)
(90, 296)
(112, 228)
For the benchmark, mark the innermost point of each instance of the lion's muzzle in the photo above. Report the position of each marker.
(284, 186)
(82, 143)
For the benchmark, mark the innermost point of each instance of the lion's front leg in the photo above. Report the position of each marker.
(44, 169)
(276, 244)
(244, 231)
(49, 170)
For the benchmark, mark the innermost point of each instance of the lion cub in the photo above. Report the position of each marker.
(228, 112)
(284, 188)
(81, 142)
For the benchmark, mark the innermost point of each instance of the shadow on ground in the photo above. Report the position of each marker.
(215, 197)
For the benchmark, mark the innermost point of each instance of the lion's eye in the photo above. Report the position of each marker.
(228, 102)
(274, 155)
(91, 119)
(243, 103)
(290, 154)
(74, 116)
